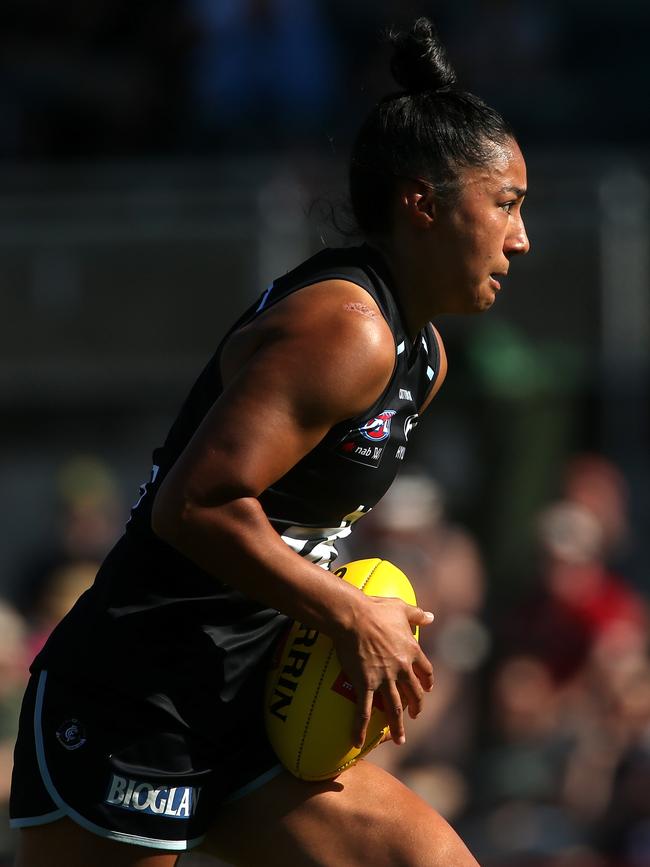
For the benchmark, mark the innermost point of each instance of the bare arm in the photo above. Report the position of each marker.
(310, 362)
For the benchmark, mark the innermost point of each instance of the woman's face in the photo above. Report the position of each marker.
(476, 236)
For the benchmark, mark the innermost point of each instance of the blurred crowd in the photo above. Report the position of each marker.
(115, 78)
(46, 584)
(535, 742)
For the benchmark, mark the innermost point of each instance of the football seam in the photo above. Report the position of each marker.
(311, 709)
(370, 574)
(364, 752)
(320, 682)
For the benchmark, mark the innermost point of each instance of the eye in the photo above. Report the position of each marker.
(508, 206)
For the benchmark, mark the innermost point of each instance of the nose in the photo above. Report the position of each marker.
(517, 239)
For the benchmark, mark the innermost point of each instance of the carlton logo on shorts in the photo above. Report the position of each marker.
(71, 734)
(175, 802)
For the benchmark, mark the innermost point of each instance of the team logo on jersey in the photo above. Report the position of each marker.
(71, 734)
(172, 802)
(360, 452)
(378, 428)
(410, 423)
(366, 444)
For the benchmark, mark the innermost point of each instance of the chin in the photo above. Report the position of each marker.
(478, 302)
(485, 301)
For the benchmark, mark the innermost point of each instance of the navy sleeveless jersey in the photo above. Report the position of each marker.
(153, 620)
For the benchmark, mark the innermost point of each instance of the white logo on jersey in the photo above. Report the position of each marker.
(317, 544)
(410, 423)
(176, 802)
(405, 394)
(399, 454)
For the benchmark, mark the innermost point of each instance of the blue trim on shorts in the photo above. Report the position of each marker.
(254, 784)
(65, 809)
(32, 821)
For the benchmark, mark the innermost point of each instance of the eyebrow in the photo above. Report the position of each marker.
(520, 192)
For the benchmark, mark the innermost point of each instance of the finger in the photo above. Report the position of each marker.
(364, 709)
(394, 712)
(423, 670)
(417, 616)
(412, 694)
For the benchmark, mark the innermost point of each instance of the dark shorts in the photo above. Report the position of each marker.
(126, 769)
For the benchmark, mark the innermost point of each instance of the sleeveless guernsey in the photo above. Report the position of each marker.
(153, 621)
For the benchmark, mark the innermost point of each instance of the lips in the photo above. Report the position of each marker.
(494, 281)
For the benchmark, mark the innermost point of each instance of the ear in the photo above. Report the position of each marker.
(418, 204)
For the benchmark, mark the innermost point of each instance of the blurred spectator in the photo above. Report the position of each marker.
(598, 485)
(60, 591)
(575, 572)
(518, 778)
(89, 522)
(566, 757)
(578, 599)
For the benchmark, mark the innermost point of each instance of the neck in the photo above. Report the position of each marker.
(409, 285)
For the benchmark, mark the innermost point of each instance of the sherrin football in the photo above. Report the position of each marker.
(309, 703)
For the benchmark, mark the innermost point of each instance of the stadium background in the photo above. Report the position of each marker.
(160, 162)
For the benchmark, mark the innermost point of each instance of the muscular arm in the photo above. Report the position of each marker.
(308, 363)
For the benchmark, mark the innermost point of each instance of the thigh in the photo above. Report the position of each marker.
(65, 844)
(363, 817)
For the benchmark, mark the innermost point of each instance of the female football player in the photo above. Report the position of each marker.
(142, 731)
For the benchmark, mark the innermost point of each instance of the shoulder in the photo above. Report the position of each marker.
(330, 338)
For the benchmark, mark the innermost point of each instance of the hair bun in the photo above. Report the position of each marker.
(419, 59)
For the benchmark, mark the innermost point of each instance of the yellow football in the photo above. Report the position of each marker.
(309, 703)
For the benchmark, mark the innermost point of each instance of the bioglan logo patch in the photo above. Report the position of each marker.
(175, 802)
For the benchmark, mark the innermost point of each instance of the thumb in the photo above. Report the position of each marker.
(417, 616)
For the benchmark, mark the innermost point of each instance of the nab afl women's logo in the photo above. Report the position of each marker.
(378, 428)
(71, 734)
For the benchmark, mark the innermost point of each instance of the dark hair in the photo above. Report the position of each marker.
(428, 130)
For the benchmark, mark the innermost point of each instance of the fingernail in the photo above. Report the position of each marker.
(401, 740)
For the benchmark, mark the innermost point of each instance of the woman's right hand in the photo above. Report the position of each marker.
(380, 654)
